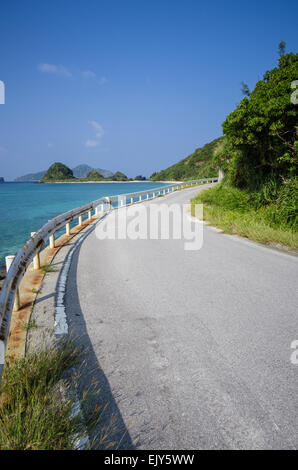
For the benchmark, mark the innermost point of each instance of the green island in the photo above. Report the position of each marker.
(60, 173)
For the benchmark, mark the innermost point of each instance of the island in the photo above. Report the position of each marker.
(60, 173)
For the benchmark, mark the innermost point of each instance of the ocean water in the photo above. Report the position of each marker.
(25, 207)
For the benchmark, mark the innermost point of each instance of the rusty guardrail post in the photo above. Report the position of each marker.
(17, 303)
(36, 259)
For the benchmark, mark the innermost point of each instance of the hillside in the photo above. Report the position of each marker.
(57, 172)
(94, 175)
(80, 171)
(200, 164)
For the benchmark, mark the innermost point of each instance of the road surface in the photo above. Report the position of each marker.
(191, 349)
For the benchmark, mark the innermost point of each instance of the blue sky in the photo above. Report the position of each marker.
(128, 85)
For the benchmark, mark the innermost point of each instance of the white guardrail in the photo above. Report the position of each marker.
(17, 265)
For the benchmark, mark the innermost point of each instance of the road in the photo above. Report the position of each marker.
(191, 349)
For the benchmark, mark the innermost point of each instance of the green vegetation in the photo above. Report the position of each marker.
(36, 408)
(239, 212)
(203, 163)
(80, 171)
(35, 291)
(261, 139)
(30, 326)
(93, 175)
(140, 178)
(48, 268)
(57, 172)
(118, 176)
(259, 196)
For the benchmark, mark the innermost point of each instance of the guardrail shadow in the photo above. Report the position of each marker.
(111, 430)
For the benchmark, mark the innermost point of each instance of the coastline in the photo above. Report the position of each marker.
(103, 182)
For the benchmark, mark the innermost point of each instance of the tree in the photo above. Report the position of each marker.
(281, 48)
(245, 89)
(261, 131)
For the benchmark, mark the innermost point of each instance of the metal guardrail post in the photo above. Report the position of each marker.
(67, 228)
(52, 240)
(17, 303)
(36, 259)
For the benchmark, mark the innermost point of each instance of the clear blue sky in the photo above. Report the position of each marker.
(128, 85)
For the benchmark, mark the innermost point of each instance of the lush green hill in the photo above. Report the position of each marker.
(93, 175)
(57, 172)
(118, 176)
(200, 164)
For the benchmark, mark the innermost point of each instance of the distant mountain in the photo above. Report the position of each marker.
(31, 177)
(1, 179)
(80, 171)
(203, 163)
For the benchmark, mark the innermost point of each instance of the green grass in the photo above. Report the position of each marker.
(35, 291)
(32, 325)
(235, 212)
(48, 268)
(36, 408)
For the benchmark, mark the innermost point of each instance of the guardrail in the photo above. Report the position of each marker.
(17, 265)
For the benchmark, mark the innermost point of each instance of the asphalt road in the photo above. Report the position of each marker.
(191, 349)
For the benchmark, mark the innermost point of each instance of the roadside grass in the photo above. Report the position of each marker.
(30, 326)
(37, 402)
(48, 268)
(230, 209)
(35, 291)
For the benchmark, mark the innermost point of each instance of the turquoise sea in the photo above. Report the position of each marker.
(25, 207)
